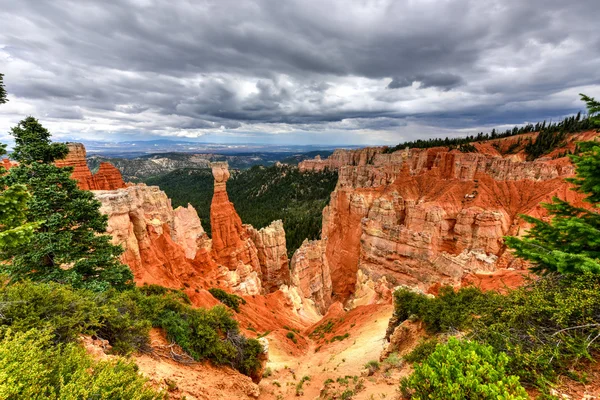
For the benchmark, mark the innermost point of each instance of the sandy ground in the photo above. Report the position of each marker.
(338, 359)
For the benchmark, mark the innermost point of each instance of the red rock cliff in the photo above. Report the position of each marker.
(425, 217)
(107, 177)
(231, 243)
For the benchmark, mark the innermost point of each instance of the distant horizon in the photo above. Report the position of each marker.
(373, 73)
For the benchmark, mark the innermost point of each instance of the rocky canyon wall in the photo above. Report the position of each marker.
(169, 247)
(107, 177)
(421, 218)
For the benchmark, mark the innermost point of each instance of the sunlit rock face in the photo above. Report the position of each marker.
(107, 177)
(272, 255)
(423, 218)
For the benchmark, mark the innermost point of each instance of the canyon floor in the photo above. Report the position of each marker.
(341, 362)
(345, 359)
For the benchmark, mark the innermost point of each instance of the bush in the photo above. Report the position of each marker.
(125, 318)
(32, 367)
(291, 336)
(65, 312)
(422, 350)
(463, 370)
(372, 366)
(450, 310)
(546, 327)
(230, 300)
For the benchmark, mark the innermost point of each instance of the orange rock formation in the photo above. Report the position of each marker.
(423, 217)
(231, 244)
(107, 177)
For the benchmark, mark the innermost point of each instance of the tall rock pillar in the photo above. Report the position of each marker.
(230, 242)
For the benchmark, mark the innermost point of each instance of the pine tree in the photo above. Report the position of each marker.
(14, 231)
(3, 98)
(593, 108)
(70, 245)
(571, 241)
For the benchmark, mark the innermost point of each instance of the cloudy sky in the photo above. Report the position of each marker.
(294, 71)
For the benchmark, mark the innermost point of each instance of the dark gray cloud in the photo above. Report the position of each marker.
(376, 70)
(443, 81)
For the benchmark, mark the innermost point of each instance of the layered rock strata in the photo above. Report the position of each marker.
(311, 274)
(232, 245)
(272, 255)
(107, 177)
(422, 217)
(162, 246)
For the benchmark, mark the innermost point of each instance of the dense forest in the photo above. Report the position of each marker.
(260, 195)
(551, 135)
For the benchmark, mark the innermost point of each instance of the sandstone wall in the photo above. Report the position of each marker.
(341, 158)
(107, 177)
(422, 218)
(161, 244)
(272, 255)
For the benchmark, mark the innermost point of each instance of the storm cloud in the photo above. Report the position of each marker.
(297, 71)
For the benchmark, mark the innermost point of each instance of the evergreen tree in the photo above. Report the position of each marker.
(571, 241)
(593, 108)
(14, 231)
(69, 245)
(3, 98)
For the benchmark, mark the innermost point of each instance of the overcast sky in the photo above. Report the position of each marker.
(294, 71)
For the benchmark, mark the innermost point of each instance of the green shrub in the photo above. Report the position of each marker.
(158, 290)
(547, 327)
(422, 350)
(49, 306)
(230, 300)
(373, 366)
(125, 318)
(291, 336)
(463, 370)
(33, 367)
(392, 361)
(340, 337)
(449, 310)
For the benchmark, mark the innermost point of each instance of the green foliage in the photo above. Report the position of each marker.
(261, 195)
(68, 244)
(291, 336)
(321, 330)
(299, 386)
(32, 367)
(593, 109)
(3, 98)
(373, 366)
(14, 230)
(550, 136)
(422, 350)
(463, 370)
(50, 307)
(340, 337)
(125, 318)
(546, 328)
(571, 241)
(230, 300)
(450, 310)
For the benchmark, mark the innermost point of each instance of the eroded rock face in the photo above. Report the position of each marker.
(272, 255)
(311, 275)
(425, 217)
(231, 243)
(6, 164)
(341, 158)
(162, 245)
(107, 177)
